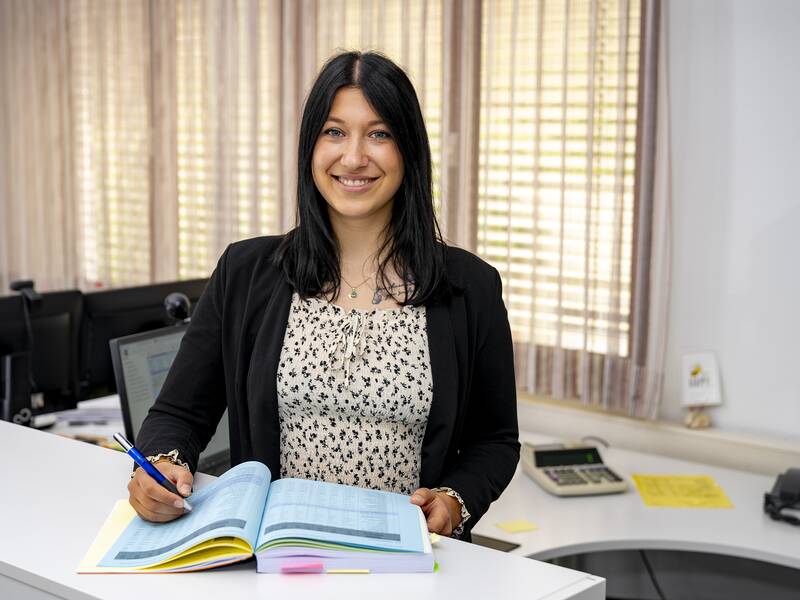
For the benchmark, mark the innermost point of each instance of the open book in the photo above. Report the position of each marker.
(291, 525)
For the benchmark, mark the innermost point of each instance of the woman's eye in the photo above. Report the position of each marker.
(333, 132)
(381, 135)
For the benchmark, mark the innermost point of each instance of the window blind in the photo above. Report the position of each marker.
(559, 86)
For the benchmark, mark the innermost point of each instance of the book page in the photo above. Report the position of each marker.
(230, 506)
(341, 514)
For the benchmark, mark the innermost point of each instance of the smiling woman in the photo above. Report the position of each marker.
(358, 348)
(356, 164)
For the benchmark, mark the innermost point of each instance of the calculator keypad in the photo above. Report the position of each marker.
(581, 475)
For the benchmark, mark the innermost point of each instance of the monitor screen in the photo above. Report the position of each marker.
(144, 361)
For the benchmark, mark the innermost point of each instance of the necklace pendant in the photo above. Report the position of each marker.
(353, 293)
(377, 298)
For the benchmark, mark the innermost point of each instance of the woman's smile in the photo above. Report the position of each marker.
(354, 184)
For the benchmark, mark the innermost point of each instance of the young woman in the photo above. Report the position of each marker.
(358, 348)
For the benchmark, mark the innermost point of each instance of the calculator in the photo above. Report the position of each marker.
(570, 470)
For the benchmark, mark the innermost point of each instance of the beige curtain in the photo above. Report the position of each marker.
(225, 119)
(461, 122)
(177, 124)
(656, 302)
(141, 136)
(110, 115)
(38, 233)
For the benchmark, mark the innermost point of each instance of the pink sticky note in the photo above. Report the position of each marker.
(299, 568)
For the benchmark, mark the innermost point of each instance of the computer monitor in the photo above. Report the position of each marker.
(13, 335)
(15, 391)
(55, 328)
(49, 349)
(116, 313)
(141, 363)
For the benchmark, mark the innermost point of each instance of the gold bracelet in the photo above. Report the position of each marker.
(171, 456)
(458, 529)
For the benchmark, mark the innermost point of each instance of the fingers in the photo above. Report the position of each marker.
(439, 519)
(151, 501)
(422, 497)
(181, 478)
(436, 511)
(156, 503)
(149, 515)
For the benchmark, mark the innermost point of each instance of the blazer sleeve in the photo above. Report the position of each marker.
(488, 452)
(192, 400)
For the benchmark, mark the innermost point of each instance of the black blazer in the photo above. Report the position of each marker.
(229, 358)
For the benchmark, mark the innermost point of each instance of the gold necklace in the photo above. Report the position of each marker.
(354, 288)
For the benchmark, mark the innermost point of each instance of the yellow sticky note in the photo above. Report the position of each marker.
(517, 526)
(681, 491)
(435, 537)
(347, 571)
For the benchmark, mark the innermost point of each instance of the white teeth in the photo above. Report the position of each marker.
(353, 182)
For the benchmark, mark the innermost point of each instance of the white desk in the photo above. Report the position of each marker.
(575, 525)
(55, 494)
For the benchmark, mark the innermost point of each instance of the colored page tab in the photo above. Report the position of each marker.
(298, 568)
(348, 571)
(681, 491)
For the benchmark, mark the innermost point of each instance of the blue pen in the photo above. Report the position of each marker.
(149, 468)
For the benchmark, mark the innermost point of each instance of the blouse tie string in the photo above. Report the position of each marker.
(349, 342)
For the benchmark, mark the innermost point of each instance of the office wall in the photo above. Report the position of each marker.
(735, 110)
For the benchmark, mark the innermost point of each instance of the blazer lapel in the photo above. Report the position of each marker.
(444, 406)
(261, 387)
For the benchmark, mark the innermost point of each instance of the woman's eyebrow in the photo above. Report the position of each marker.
(370, 124)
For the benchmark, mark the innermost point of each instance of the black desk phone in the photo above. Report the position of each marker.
(783, 502)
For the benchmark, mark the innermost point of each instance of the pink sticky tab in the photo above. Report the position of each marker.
(299, 568)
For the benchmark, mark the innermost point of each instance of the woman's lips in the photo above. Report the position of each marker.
(353, 184)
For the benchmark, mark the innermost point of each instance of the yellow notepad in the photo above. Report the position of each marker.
(216, 552)
(681, 491)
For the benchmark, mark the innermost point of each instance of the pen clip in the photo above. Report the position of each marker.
(122, 441)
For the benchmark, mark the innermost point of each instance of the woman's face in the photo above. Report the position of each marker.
(356, 164)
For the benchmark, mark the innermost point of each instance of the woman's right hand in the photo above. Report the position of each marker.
(155, 503)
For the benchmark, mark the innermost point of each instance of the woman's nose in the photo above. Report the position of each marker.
(353, 156)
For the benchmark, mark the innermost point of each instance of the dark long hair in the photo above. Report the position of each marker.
(413, 246)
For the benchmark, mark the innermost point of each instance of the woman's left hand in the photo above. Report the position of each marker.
(442, 512)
